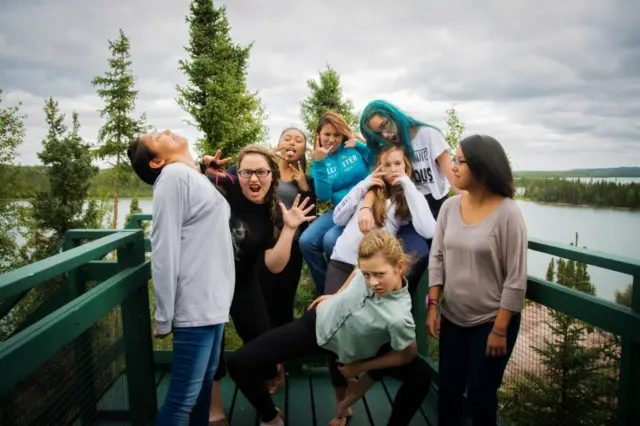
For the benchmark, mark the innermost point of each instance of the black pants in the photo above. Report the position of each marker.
(250, 365)
(279, 290)
(463, 363)
(249, 314)
(337, 274)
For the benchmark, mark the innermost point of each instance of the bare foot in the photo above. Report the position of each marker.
(276, 383)
(338, 421)
(216, 410)
(277, 421)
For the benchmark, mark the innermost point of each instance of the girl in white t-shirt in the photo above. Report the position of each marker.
(383, 124)
(397, 201)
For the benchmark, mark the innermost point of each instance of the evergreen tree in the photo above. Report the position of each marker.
(326, 95)
(134, 208)
(117, 89)
(456, 129)
(216, 96)
(68, 160)
(578, 386)
(624, 297)
(11, 137)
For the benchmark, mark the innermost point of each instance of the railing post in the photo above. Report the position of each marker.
(629, 391)
(136, 323)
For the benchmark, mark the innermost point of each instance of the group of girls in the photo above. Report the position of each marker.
(367, 255)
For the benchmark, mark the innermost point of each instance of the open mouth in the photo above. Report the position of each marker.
(255, 189)
(395, 138)
(290, 152)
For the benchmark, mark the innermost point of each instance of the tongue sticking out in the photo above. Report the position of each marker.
(290, 154)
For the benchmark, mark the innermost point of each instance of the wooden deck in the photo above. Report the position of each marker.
(307, 400)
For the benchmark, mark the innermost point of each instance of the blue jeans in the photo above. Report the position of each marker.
(196, 351)
(316, 242)
(418, 247)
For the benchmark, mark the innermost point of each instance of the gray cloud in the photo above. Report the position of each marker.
(557, 83)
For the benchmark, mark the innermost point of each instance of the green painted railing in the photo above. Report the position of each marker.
(123, 282)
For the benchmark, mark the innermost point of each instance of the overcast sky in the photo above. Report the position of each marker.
(557, 82)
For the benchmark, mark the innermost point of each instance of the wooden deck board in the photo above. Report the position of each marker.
(307, 399)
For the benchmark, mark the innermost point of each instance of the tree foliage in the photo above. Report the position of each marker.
(326, 94)
(216, 95)
(593, 193)
(117, 90)
(624, 297)
(580, 364)
(456, 129)
(68, 161)
(12, 134)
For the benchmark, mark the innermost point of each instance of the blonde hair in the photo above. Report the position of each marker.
(381, 241)
(335, 119)
(272, 193)
(395, 193)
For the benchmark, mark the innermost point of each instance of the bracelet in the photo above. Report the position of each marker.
(498, 334)
(365, 207)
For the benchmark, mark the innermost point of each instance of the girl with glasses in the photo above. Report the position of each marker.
(265, 231)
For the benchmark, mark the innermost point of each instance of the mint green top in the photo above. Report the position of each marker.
(355, 323)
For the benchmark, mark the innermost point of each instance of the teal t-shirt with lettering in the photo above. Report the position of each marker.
(340, 171)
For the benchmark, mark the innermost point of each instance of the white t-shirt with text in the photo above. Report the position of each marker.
(429, 178)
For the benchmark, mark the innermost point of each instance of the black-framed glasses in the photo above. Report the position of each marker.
(246, 174)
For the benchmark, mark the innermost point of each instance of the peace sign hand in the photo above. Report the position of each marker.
(377, 177)
(298, 176)
(214, 161)
(297, 214)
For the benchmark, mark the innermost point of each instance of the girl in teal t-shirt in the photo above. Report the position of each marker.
(340, 162)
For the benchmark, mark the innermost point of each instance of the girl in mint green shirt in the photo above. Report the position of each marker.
(366, 328)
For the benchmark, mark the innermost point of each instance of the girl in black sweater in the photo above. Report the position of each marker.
(265, 231)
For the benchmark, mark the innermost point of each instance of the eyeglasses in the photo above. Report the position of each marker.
(454, 161)
(246, 174)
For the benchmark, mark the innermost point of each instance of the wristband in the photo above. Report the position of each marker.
(365, 207)
(498, 334)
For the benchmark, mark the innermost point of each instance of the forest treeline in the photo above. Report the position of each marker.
(30, 180)
(599, 193)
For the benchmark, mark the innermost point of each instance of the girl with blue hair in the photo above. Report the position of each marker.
(383, 124)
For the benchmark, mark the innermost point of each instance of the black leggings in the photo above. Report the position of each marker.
(337, 274)
(249, 314)
(279, 290)
(250, 365)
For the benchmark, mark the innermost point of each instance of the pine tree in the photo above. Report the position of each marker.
(456, 129)
(134, 208)
(11, 137)
(326, 95)
(68, 160)
(624, 297)
(216, 96)
(117, 89)
(578, 386)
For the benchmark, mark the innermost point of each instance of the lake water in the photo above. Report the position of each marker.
(606, 230)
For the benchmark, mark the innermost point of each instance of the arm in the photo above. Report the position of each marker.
(364, 152)
(421, 216)
(168, 210)
(390, 359)
(436, 254)
(514, 245)
(277, 257)
(343, 212)
(321, 180)
(437, 143)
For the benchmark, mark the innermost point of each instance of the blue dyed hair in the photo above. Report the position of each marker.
(403, 123)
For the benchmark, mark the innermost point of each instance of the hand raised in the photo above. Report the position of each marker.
(297, 214)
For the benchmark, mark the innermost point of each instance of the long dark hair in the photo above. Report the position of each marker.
(489, 164)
